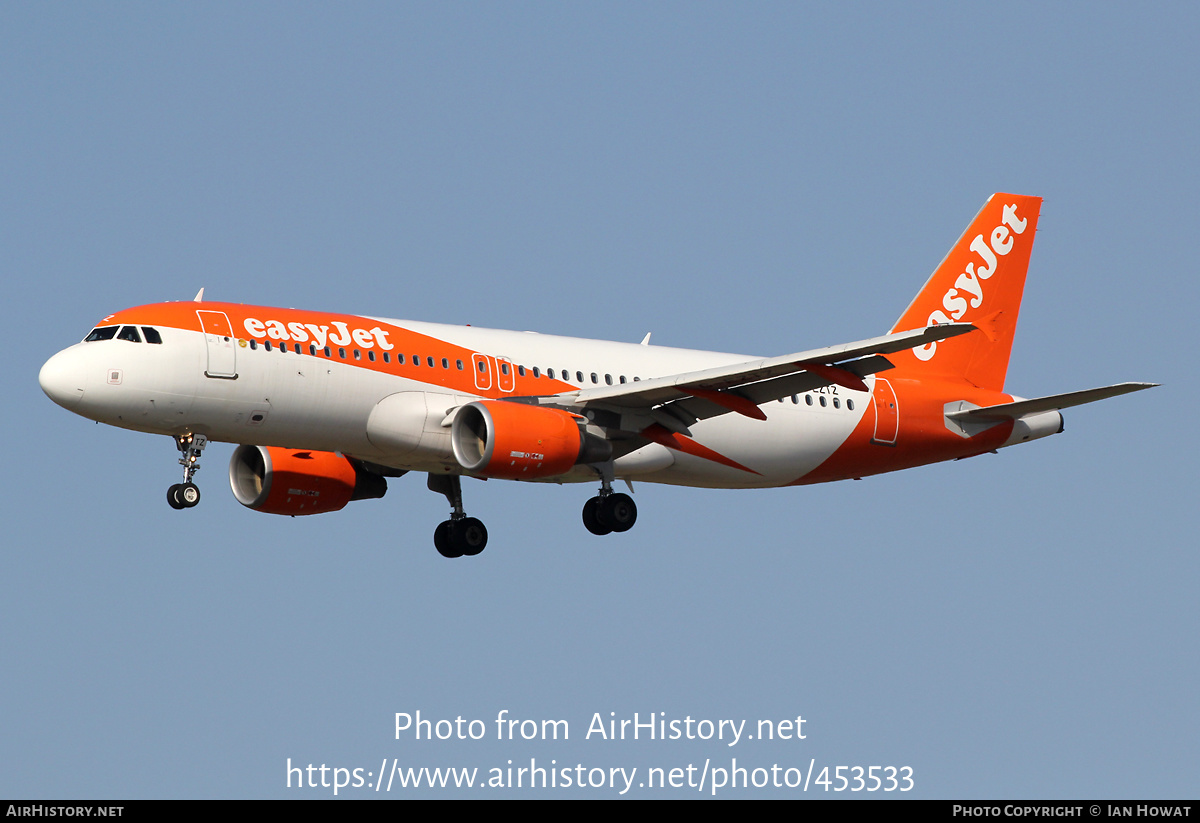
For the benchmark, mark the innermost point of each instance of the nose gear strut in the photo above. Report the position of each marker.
(187, 494)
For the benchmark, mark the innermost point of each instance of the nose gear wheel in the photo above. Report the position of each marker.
(185, 495)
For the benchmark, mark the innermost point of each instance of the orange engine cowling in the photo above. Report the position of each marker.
(295, 481)
(516, 441)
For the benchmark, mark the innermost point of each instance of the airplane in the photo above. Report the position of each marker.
(327, 407)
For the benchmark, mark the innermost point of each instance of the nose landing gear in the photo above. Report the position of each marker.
(185, 495)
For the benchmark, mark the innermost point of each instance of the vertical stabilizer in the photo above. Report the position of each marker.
(980, 281)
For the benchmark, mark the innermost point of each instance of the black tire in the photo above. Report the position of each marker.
(619, 512)
(591, 518)
(443, 539)
(188, 494)
(173, 497)
(470, 535)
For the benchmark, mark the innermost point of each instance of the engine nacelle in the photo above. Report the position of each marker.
(516, 441)
(295, 481)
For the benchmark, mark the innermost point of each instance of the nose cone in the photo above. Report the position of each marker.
(62, 380)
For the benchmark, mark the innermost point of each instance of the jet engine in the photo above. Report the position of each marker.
(295, 481)
(516, 441)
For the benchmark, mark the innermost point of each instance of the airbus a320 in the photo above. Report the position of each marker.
(327, 407)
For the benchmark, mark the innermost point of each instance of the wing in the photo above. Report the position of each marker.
(676, 401)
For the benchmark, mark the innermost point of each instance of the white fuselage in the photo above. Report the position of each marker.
(280, 398)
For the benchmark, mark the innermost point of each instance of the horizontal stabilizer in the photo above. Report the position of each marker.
(1055, 402)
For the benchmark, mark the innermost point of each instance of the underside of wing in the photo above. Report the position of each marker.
(615, 421)
(677, 401)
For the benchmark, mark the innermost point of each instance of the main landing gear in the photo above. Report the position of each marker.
(609, 511)
(460, 536)
(187, 494)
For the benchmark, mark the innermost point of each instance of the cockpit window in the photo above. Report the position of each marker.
(101, 333)
(130, 333)
(151, 334)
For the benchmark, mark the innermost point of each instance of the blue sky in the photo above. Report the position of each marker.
(764, 180)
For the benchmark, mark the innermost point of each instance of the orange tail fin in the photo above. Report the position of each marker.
(980, 281)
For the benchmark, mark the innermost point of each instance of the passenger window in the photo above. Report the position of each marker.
(622, 378)
(823, 403)
(459, 363)
(504, 368)
(267, 345)
(342, 353)
(429, 362)
(795, 400)
(101, 333)
(129, 333)
(850, 405)
(253, 345)
(837, 404)
(537, 372)
(550, 373)
(608, 379)
(151, 335)
(445, 363)
(399, 359)
(312, 348)
(808, 399)
(357, 354)
(387, 358)
(521, 371)
(579, 377)
(594, 380)
(371, 356)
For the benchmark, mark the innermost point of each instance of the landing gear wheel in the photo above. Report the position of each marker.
(460, 535)
(470, 535)
(443, 539)
(618, 511)
(591, 517)
(188, 495)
